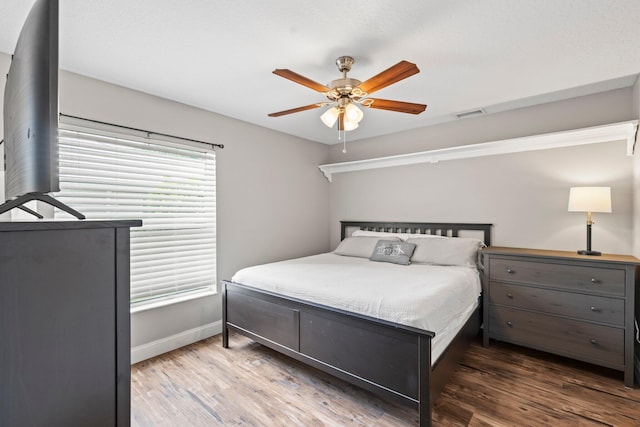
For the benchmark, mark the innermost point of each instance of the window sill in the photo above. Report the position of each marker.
(164, 302)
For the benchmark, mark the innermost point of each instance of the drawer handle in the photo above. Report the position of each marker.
(594, 280)
(509, 324)
(592, 308)
(594, 342)
(510, 271)
(509, 295)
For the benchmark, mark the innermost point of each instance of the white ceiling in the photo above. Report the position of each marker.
(218, 54)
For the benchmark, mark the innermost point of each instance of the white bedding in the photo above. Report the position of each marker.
(434, 298)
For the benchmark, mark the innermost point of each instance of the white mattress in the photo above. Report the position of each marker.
(434, 298)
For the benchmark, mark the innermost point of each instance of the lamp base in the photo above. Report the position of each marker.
(586, 252)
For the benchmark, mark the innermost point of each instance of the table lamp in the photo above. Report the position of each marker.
(589, 200)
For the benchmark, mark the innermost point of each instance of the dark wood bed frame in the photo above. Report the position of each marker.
(389, 359)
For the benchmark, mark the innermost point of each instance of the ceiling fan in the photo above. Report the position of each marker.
(345, 92)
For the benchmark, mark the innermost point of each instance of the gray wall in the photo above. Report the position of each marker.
(575, 113)
(524, 195)
(268, 189)
(636, 208)
(636, 174)
(272, 201)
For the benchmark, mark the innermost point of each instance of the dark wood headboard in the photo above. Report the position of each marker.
(450, 229)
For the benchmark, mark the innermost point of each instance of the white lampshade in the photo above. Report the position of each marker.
(590, 199)
(330, 116)
(349, 125)
(352, 114)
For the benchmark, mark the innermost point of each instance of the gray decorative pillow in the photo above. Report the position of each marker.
(361, 246)
(396, 252)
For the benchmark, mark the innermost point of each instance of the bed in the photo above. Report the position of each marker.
(334, 333)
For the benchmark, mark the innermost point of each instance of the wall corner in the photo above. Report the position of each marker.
(636, 173)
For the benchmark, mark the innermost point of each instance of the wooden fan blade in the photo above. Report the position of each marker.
(402, 107)
(295, 77)
(400, 71)
(296, 110)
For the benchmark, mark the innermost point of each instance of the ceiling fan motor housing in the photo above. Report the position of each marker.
(342, 87)
(344, 63)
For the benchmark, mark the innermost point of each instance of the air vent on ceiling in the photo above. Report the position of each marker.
(471, 113)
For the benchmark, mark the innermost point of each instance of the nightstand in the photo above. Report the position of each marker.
(572, 305)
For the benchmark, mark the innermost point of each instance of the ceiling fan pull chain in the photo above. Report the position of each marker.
(344, 142)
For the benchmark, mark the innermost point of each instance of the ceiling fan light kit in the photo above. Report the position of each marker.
(345, 93)
(330, 117)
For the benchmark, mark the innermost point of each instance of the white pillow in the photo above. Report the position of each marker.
(425, 236)
(359, 246)
(449, 251)
(381, 234)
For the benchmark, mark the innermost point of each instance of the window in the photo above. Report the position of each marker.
(170, 186)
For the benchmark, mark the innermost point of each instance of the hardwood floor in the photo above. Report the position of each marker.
(251, 385)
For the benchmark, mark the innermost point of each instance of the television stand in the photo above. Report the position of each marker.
(65, 352)
(21, 200)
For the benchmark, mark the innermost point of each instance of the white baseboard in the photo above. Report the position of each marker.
(155, 348)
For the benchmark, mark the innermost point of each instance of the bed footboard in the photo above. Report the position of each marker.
(336, 342)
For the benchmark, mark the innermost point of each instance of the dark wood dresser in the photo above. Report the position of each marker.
(572, 305)
(64, 323)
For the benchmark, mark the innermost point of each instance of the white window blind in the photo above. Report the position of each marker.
(171, 188)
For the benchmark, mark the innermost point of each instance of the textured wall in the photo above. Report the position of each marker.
(268, 189)
(636, 174)
(272, 201)
(524, 195)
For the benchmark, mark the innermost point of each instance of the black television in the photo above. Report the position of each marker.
(31, 113)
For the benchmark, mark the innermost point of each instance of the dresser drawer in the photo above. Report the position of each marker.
(581, 340)
(587, 307)
(571, 277)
